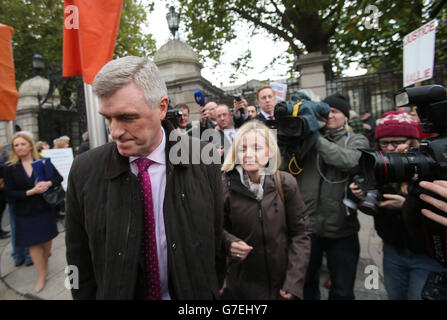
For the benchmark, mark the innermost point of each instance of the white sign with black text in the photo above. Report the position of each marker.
(419, 54)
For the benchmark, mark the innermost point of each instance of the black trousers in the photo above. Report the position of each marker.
(342, 257)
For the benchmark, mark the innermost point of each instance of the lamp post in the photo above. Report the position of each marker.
(54, 75)
(38, 64)
(173, 19)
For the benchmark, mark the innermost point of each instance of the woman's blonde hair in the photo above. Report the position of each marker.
(270, 139)
(13, 157)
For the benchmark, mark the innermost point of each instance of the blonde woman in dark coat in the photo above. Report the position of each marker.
(266, 227)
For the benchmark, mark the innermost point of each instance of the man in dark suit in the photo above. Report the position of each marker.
(266, 100)
(135, 226)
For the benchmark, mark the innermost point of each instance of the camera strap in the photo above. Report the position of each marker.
(321, 173)
(294, 170)
(296, 108)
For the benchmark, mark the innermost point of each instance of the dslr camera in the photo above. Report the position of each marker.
(426, 162)
(369, 204)
(238, 98)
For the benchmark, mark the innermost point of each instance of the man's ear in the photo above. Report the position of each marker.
(163, 106)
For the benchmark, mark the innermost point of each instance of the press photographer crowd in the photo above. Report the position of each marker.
(294, 177)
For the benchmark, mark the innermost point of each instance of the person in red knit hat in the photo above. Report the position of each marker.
(395, 127)
(406, 265)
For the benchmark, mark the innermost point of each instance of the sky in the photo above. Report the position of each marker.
(263, 51)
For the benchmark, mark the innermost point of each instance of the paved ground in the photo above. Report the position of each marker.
(17, 283)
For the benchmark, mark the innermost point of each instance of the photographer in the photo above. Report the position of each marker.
(405, 269)
(183, 118)
(439, 187)
(323, 184)
(240, 111)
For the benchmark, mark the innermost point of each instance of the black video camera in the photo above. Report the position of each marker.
(289, 127)
(172, 115)
(426, 162)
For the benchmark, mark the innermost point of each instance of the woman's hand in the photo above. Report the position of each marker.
(286, 295)
(40, 188)
(394, 201)
(359, 193)
(239, 250)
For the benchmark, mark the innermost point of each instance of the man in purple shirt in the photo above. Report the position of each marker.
(106, 226)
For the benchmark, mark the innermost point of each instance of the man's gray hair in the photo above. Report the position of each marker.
(122, 71)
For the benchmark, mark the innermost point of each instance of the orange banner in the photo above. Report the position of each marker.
(8, 91)
(90, 29)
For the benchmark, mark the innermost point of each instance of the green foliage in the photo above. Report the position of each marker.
(38, 27)
(130, 39)
(330, 26)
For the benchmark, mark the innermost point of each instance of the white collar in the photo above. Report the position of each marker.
(158, 155)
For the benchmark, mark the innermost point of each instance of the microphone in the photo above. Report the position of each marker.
(199, 97)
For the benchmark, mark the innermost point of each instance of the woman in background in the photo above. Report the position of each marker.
(35, 222)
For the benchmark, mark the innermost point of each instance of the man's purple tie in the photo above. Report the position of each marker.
(271, 117)
(149, 240)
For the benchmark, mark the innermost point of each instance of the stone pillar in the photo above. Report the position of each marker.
(312, 74)
(28, 106)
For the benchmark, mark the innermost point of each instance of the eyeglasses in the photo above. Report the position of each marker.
(384, 144)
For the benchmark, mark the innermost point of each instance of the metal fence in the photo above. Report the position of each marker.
(375, 91)
(69, 118)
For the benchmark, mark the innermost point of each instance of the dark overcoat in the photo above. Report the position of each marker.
(105, 218)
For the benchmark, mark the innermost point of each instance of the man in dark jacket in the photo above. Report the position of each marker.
(151, 237)
(323, 184)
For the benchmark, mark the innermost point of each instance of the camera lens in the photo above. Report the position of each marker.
(281, 110)
(379, 168)
(370, 203)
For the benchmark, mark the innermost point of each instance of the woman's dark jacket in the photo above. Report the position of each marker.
(278, 232)
(16, 185)
(104, 225)
(388, 222)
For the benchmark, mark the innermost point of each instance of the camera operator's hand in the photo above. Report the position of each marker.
(394, 201)
(238, 105)
(439, 187)
(359, 193)
(402, 148)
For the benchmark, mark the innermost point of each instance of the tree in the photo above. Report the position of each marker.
(381, 47)
(337, 27)
(38, 28)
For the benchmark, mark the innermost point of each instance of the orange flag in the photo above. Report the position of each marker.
(8, 91)
(90, 29)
